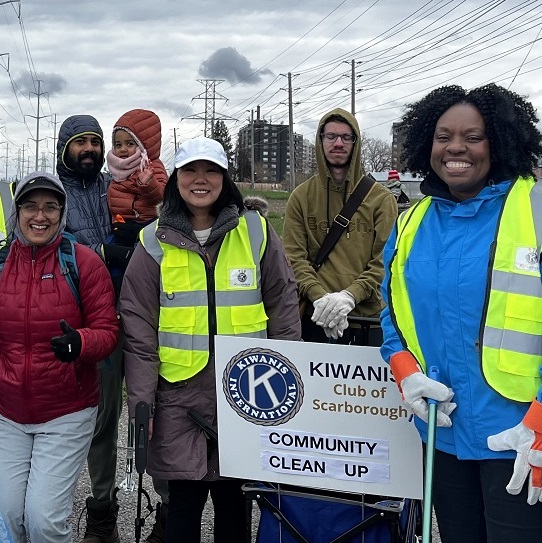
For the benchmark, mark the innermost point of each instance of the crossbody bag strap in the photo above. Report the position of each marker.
(342, 220)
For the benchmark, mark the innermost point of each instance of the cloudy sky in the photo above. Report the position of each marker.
(105, 57)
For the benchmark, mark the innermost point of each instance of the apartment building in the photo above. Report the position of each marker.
(272, 153)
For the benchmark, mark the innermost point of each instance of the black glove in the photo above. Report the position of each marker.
(68, 346)
(126, 233)
(116, 256)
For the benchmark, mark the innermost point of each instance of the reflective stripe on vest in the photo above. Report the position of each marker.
(512, 330)
(196, 301)
(511, 327)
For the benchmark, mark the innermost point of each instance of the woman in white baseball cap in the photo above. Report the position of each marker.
(208, 266)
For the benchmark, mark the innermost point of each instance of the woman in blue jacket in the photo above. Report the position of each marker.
(464, 294)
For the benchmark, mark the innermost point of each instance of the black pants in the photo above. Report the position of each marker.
(187, 500)
(472, 505)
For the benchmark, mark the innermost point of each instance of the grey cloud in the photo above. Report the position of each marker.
(175, 109)
(50, 83)
(227, 63)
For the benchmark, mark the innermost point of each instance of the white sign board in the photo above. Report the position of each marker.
(314, 415)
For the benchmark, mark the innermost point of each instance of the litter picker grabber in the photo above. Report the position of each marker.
(128, 484)
(142, 413)
(429, 462)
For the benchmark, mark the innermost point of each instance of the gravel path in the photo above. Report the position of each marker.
(128, 502)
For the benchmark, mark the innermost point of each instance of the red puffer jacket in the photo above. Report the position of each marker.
(35, 386)
(128, 198)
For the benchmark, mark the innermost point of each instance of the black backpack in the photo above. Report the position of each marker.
(66, 257)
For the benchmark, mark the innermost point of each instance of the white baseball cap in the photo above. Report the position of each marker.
(201, 148)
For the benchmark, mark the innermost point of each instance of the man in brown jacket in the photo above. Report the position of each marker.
(348, 282)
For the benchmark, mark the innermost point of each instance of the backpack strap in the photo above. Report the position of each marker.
(68, 264)
(4, 252)
(66, 258)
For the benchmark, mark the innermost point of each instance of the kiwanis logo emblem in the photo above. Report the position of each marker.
(263, 387)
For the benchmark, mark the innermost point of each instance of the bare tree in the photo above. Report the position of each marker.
(375, 154)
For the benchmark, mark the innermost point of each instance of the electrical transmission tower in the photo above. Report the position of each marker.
(210, 96)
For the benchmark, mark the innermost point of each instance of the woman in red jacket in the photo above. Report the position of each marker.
(50, 344)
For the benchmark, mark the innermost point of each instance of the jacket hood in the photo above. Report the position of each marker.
(355, 171)
(145, 126)
(255, 203)
(74, 126)
(12, 224)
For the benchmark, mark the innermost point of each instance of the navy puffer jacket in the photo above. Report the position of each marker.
(88, 214)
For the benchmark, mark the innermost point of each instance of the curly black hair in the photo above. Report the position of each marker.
(510, 123)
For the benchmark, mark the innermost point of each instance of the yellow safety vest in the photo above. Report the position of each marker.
(2, 221)
(197, 302)
(511, 327)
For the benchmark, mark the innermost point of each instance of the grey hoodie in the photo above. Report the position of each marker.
(12, 223)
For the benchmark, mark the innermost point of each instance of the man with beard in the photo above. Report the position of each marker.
(80, 155)
(348, 282)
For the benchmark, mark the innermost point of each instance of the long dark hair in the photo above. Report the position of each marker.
(510, 124)
(230, 194)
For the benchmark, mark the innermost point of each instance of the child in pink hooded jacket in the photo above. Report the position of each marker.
(139, 176)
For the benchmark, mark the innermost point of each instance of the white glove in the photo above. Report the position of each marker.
(528, 444)
(337, 331)
(416, 387)
(332, 308)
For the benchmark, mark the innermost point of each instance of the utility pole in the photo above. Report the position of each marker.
(20, 166)
(54, 144)
(353, 93)
(252, 180)
(291, 131)
(43, 166)
(37, 117)
(7, 155)
(291, 123)
(175, 139)
(353, 89)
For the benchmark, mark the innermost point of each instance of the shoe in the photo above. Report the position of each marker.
(101, 522)
(158, 532)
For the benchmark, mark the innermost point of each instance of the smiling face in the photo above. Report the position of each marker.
(39, 216)
(200, 185)
(84, 153)
(124, 145)
(460, 154)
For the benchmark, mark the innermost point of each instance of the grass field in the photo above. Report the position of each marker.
(277, 205)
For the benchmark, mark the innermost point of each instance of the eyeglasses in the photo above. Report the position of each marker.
(345, 138)
(51, 211)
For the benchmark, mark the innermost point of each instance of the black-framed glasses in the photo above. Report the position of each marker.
(345, 138)
(29, 209)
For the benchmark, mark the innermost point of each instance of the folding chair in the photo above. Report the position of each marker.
(290, 514)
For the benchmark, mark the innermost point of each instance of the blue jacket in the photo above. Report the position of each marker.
(446, 275)
(88, 217)
(5, 534)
